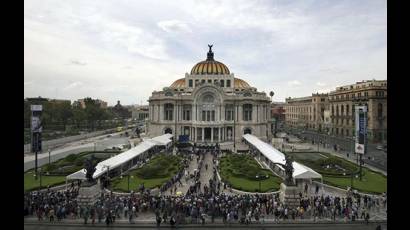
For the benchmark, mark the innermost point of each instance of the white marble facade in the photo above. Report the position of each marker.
(210, 105)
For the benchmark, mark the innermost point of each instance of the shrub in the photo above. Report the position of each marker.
(71, 158)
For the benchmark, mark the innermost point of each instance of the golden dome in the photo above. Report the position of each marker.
(210, 66)
(240, 84)
(180, 83)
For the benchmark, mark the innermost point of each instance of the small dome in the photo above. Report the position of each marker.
(210, 66)
(240, 84)
(180, 83)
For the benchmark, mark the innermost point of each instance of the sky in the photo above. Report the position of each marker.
(124, 50)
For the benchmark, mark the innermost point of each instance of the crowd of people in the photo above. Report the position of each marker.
(201, 204)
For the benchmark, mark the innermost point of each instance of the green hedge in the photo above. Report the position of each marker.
(240, 172)
(160, 166)
(157, 171)
(373, 182)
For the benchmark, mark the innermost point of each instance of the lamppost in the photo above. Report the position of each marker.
(108, 171)
(257, 178)
(40, 179)
(351, 180)
(276, 121)
(128, 179)
(260, 176)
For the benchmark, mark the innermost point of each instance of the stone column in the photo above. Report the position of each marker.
(219, 134)
(212, 134)
(203, 134)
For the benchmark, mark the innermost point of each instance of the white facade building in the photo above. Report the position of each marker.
(210, 105)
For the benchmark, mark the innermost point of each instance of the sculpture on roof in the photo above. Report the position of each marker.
(210, 48)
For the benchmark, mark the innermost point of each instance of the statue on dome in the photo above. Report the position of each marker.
(210, 48)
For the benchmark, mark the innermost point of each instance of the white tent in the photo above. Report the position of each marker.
(79, 175)
(163, 140)
(300, 171)
(122, 158)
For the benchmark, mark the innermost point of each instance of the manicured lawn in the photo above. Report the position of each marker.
(30, 183)
(240, 171)
(157, 171)
(372, 182)
(60, 169)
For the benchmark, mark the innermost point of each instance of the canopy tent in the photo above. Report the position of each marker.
(300, 171)
(164, 139)
(122, 158)
(79, 175)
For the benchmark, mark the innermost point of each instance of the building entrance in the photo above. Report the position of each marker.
(207, 134)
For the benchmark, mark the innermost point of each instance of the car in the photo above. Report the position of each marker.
(382, 147)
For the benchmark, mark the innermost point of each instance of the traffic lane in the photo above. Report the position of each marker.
(347, 226)
(42, 159)
(373, 157)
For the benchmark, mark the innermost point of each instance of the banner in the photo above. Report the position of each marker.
(36, 128)
(183, 138)
(361, 129)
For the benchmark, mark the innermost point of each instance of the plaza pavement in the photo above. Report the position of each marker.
(375, 213)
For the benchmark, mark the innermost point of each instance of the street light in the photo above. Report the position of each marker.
(49, 156)
(260, 176)
(40, 179)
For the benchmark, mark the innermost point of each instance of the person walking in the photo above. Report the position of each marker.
(86, 214)
(51, 215)
(158, 219)
(367, 218)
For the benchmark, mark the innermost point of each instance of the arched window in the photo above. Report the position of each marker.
(380, 110)
(247, 112)
(168, 130)
(342, 110)
(347, 110)
(337, 110)
(168, 112)
(333, 110)
(247, 131)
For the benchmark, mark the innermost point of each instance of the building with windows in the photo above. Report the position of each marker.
(342, 102)
(334, 113)
(306, 112)
(277, 115)
(140, 112)
(210, 104)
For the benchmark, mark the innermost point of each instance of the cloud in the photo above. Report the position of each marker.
(74, 85)
(77, 62)
(271, 44)
(294, 83)
(174, 26)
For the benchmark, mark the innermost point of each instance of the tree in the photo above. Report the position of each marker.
(93, 111)
(64, 112)
(79, 116)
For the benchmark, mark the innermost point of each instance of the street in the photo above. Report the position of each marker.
(98, 143)
(373, 157)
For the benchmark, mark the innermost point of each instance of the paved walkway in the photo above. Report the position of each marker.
(206, 175)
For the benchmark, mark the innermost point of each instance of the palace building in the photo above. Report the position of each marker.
(210, 105)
